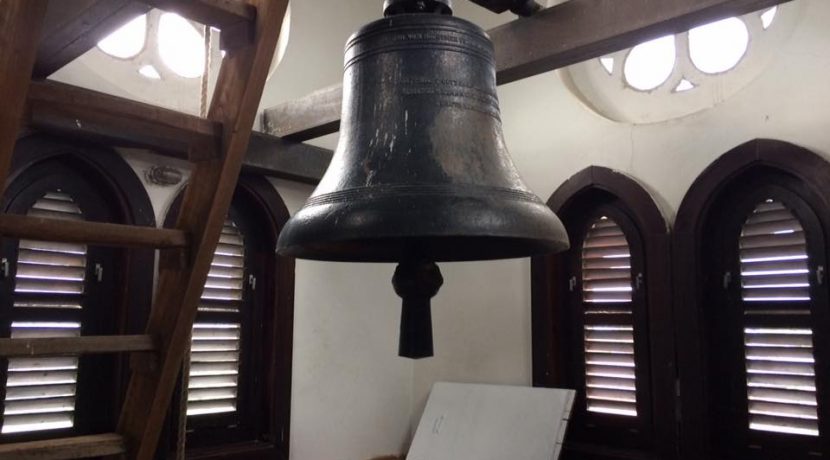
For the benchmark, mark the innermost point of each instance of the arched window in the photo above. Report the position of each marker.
(51, 289)
(235, 392)
(608, 311)
(754, 313)
(601, 322)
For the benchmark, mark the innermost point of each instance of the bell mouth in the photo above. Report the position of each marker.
(394, 227)
(440, 249)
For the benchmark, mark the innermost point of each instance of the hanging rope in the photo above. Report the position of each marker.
(204, 103)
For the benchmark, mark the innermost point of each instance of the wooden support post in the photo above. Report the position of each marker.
(20, 24)
(205, 206)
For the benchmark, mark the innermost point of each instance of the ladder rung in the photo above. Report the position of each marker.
(95, 233)
(57, 346)
(65, 448)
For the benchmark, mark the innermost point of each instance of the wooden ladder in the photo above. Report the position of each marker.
(253, 27)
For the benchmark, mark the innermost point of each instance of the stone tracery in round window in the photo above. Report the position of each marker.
(712, 49)
(678, 75)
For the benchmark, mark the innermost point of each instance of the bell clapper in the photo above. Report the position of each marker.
(416, 282)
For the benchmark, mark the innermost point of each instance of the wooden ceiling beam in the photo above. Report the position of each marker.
(234, 18)
(92, 116)
(295, 161)
(73, 27)
(561, 35)
(81, 112)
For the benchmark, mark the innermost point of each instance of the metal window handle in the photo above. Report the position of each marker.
(99, 272)
(820, 275)
(727, 280)
(252, 282)
(572, 284)
(4, 267)
(639, 281)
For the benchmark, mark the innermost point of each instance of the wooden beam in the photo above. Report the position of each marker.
(76, 111)
(294, 161)
(234, 18)
(308, 117)
(73, 27)
(556, 37)
(80, 113)
(20, 24)
(204, 209)
(94, 233)
(63, 346)
(65, 448)
(579, 30)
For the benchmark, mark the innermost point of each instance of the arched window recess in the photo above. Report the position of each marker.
(752, 304)
(236, 385)
(602, 317)
(53, 289)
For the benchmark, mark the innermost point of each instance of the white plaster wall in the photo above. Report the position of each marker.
(482, 324)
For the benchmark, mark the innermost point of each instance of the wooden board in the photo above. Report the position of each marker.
(492, 422)
(64, 448)
(73, 27)
(62, 346)
(77, 111)
(95, 233)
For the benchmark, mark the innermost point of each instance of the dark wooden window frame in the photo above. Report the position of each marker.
(106, 174)
(794, 165)
(576, 199)
(275, 291)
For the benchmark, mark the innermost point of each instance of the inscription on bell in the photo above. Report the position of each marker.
(440, 38)
(461, 95)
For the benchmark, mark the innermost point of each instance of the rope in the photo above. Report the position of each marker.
(206, 73)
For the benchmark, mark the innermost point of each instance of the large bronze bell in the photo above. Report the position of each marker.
(421, 173)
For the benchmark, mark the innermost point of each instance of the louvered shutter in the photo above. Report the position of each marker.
(611, 385)
(40, 392)
(213, 381)
(775, 288)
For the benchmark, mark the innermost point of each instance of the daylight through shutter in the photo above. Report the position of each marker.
(40, 392)
(775, 287)
(611, 386)
(214, 358)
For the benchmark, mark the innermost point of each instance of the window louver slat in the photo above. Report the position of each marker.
(781, 388)
(609, 334)
(40, 392)
(214, 358)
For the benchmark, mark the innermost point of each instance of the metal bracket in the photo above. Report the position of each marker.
(572, 284)
(4, 267)
(820, 275)
(727, 280)
(252, 282)
(639, 281)
(99, 272)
